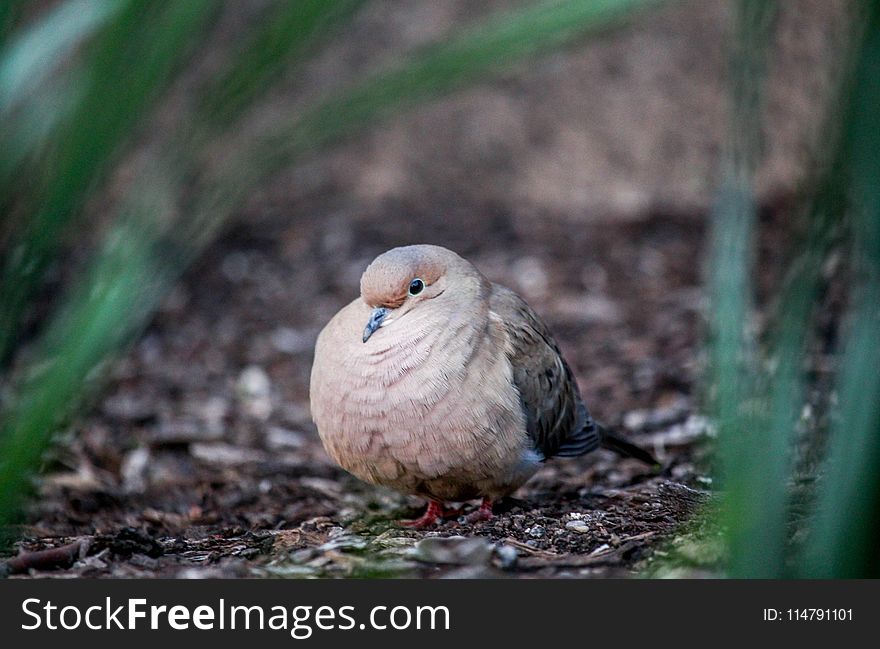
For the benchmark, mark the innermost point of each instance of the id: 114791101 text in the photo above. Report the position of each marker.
(808, 615)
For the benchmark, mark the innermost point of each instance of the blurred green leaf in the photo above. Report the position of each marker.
(98, 319)
(289, 30)
(27, 64)
(488, 47)
(9, 13)
(750, 453)
(845, 529)
(32, 56)
(130, 61)
(758, 401)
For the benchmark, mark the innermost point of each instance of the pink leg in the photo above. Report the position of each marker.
(436, 512)
(484, 513)
(432, 515)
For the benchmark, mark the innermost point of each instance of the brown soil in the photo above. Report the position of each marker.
(202, 460)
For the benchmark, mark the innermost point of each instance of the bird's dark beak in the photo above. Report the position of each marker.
(375, 321)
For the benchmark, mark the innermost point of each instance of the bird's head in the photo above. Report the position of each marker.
(411, 278)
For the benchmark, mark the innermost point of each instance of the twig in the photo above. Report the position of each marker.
(530, 550)
(605, 557)
(60, 557)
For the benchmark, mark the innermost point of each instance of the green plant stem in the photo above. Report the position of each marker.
(131, 61)
(750, 457)
(845, 526)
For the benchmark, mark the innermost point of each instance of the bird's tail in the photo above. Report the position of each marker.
(616, 443)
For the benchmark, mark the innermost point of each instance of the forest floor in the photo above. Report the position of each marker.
(202, 461)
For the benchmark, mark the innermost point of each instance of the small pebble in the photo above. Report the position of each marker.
(254, 389)
(454, 550)
(281, 438)
(134, 470)
(507, 556)
(578, 526)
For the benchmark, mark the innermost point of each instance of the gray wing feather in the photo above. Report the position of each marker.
(557, 421)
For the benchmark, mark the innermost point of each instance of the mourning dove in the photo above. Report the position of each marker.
(438, 383)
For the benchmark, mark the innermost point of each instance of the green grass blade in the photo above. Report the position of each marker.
(288, 32)
(29, 131)
(846, 526)
(32, 56)
(130, 62)
(478, 51)
(845, 530)
(754, 538)
(9, 14)
(108, 308)
(32, 102)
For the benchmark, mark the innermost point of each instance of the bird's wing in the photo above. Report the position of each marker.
(556, 419)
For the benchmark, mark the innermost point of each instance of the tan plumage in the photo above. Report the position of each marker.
(456, 392)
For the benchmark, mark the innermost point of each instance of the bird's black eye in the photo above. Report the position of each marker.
(416, 286)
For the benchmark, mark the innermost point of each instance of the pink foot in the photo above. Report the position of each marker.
(484, 513)
(436, 512)
(433, 514)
